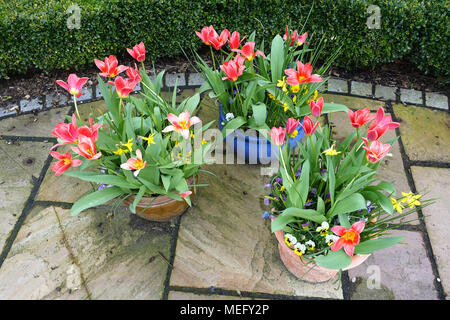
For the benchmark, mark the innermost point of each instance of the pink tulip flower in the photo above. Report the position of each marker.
(349, 238)
(301, 75)
(308, 126)
(91, 132)
(235, 40)
(316, 107)
(73, 85)
(64, 163)
(206, 34)
(135, 163)
(134, 74)
(291, 125)
(248, 51)
(67, 132)
(360, 117)
(219, 41)
(295, 38)
(86, 148)
(110, 68)
(124, 86)
(233, 68)
(376, 151)
(138, 52)
(181, 124)
(381, 124)
(278, 135)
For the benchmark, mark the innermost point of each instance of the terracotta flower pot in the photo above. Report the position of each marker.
(160, 208)
(310, 272)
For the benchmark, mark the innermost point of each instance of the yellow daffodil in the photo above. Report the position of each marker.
(282, 84)
(128, 145)
(149, 139)
(285, 106)
(331, 151)
(192, 135)
(295, 89)
(293, 134)
(282, 188)
(397, 205)
(204, 141)
(119, 151)
(294, 99)
(411, 198)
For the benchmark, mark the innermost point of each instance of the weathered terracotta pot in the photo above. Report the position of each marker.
(310, 272)
(160, 208)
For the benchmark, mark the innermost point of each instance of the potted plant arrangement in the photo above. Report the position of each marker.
(142, 151)
(255, 91)
(328, 211)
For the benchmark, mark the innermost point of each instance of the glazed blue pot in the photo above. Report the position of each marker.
(255, 149)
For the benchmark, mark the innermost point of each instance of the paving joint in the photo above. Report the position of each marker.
(424, 231)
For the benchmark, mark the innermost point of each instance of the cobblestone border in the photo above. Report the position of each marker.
(434, 100)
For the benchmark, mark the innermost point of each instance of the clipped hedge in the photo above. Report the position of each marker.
(35, 34)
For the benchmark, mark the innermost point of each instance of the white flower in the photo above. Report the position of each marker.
(330, 239)
(310, 244)
(300, 248)
(324, 227)
(293, 239)
(229, 116)
(290, 239)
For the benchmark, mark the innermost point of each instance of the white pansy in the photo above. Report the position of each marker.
(229, 116)
(323, 227)
(301, 247)
(310, 244)
(329, 239)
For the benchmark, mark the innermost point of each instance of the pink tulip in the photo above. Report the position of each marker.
(360, 117)
(134, 74)
(206, 34)
(185, 194)
(247, 51)
(291, 125)
(381, 124)
(135, 163)
(219, 41)
(67, 132)
(376, 151)
(110, 68)
(278, 135)
(64, 163)
(302, 75)
(349, 238)
(138, 52)
(235, 40)
(86, 148)
(233, 68)
(73, 85)
(124, 86)
(316, 107)
(91, 132)
(181, 124)
(295, 37)
(308, 126)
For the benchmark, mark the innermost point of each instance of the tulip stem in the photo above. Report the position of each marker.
(120, 106)
(143, 66)
(212, 56)
(76, 107)
(239, 95)
(312, 147)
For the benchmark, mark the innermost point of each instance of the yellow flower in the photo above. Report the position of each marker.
(285, 106)
(294, 99)
(128, 145)
(204, 141)
(149, 139)
(323, 229)
(316, 94)
(293, 134)
(331, 151)
(397, 205)
(282, 84)
(295, 89)
(119, 151)
(271, 96)
(411, 199)
(192, 135)
(282, 188)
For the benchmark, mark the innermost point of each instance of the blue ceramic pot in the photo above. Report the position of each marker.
(254, 149)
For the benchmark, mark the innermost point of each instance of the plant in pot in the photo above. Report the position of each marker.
(329, 212)
(257, 92)
(143, 150)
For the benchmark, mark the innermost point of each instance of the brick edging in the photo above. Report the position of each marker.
(434, 100)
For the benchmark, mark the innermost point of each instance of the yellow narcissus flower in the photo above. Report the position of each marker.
(331, 151)
(411, 199)
(128, 145)
(285, 106)
(119, 151)
(282, 84)
(295, 89)
(149, 139)
(397, 205)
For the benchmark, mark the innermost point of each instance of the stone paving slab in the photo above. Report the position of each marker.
(436, 181)
(436, 100)
(404, 270)
(30, 125)
(120, 254)
(425, 133)
(224, 242)
(19, 162)
(353, 102)
(39, 265)
(177, 295)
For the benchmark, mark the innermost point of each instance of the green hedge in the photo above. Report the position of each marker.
(35, 34)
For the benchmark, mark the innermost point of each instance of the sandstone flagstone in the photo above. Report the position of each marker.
(39, 265)
(353, 102)
(224, 242)
(177, 295)
(120, 254)
(404, 269)
(30, 125)
(435, 183)
(19, 163)
(425, 133)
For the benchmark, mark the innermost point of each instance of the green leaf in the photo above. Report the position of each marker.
(291, 214)
(277, 58)
(102, 179)
(233, 125)
(304, 181)
(138, 198)
(334, 260)
(259, 113)
(371, 245)
(166, 181)
(320, 205)
(352, 203)
(94, 199)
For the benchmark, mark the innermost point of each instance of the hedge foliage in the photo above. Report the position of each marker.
(34, 34)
